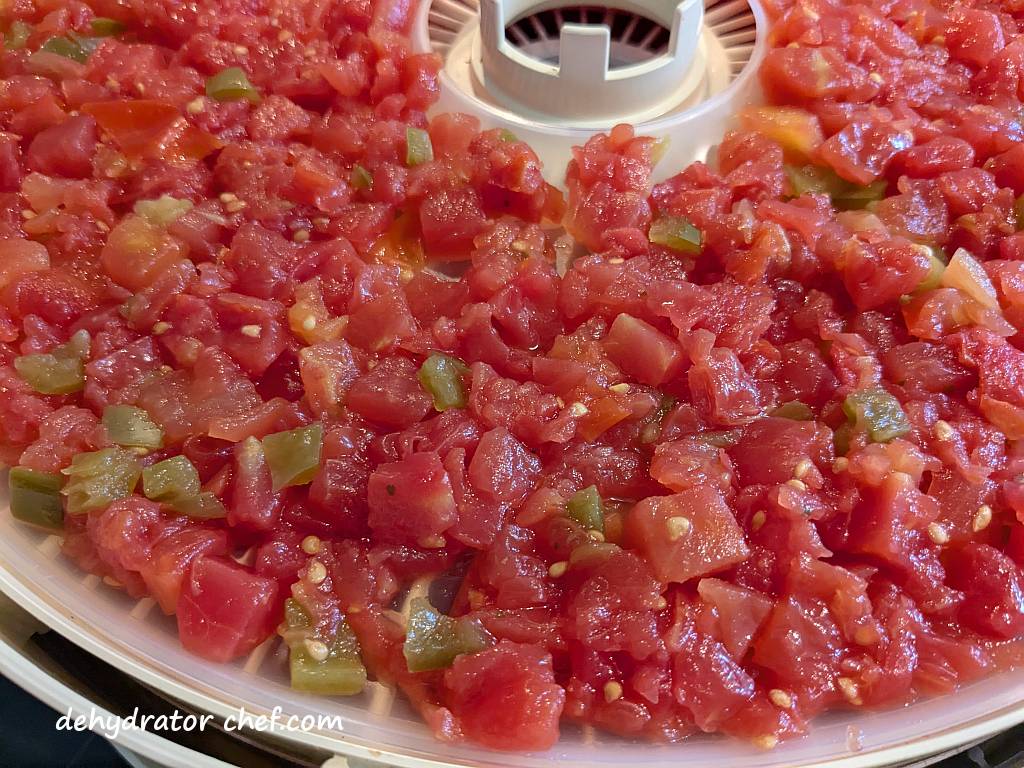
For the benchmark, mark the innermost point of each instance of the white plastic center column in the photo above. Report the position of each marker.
(581, 89)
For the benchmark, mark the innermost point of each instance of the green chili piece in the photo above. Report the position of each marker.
(877, 412)
(418, 147)
(231, 84)
(131, 427)
(162, 211)
(98, 478)
(17, 35)
(441, 377)
(433, 640)
(294, 456)
(360, 178)
(795, 411)
(939, 260)
(172, 481)
(58, 372)
(676, 233)
(72, 47)
(205, 506)
(35, 497)
(104, 27)
(587, 509)
(855, 197)
(328, 668)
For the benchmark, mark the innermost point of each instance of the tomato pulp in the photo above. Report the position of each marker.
(717, 454)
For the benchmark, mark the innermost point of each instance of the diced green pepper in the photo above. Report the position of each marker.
(131, 427)
(813, 179)
(104, 27)
(1018, 210)
(205, 506)
(17, 35)
(162, 211)
(433, 640)
(98, 478)
(507, 136)
(795, 411)
(676, 233)
(418, 147)
(587, 509)
(35, 497)
(855, 197)
(172, 481)
(231, 84)
(816, 179)
(939, 260)
(51, 375)
(441, 377)
(341, 673)
(360, 178)
(72, 47)
(877, 412)
(294, 456)
(58, 372)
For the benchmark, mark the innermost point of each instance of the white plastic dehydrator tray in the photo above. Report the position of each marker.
(709, 53)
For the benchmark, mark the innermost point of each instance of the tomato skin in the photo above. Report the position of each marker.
(505, 697)
(224, 610)
(138, 126)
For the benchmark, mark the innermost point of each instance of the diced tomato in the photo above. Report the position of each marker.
(771, 448)
(138, 251)
(171, 557)
(642, 351)
(994, 591)
(254, 504)
(708, 682)
(689, 534)
(411, 499)
(64, 150)
(741, 612)
(501, 467)
(225, 610)
(506, 697)
(390, 394)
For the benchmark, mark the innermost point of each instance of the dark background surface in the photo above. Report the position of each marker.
(29, 739)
